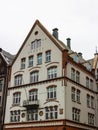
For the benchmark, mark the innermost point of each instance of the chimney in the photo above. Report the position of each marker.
(68, 43)
(55, 33)
(80, 54)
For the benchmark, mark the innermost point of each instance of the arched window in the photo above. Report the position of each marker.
(16, 98)
(52, 72)
(18, 80)
(51, 92)
(34, 76)
(33, 95)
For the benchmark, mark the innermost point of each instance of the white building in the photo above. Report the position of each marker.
(51, 86)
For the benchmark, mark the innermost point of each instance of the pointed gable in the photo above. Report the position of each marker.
(51, 37)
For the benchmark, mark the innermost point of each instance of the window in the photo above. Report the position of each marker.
(39, 58)
(87, 82)
(36, 44)
(48, 56)
(51, 92)
(78, 95)
(16, 98)
(91, 84)
(52, 72)
(73, 74)
(15, 116)
(31, 61)
(77, 76)
(88, 100)
(92, 102)
(90, 119)
(23, 60)
(73, 94)
(33, 95)
(34, 76)
(1, 84)
(51, 112)
(76, 58)
(32, 114)
(18, 80)
(76, 114)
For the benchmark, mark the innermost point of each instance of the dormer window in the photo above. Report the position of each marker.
(75, 58)
(88, 66)
(36, 44)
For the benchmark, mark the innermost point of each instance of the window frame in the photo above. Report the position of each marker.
(48, 55)
(33, 95)
(52, 92)
(15, 116)
(31, 60)
(18, 80)
(52, 72)
(16, 98)
(73, 74)
(34, 76)
(39, 58)
(23, 63)
(51, 112)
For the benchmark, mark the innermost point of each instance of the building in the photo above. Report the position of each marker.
(51, 86)
(5, 62)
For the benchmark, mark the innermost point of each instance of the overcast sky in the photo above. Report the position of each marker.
(77, 19)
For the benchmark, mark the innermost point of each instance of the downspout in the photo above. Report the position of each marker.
(4, 97)
(64, 65)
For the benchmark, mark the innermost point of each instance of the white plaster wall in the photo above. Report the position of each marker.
(83, 75)
(42, 97)
(26, 52)
(56, 56)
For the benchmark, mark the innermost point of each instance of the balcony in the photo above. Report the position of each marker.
(30, 104)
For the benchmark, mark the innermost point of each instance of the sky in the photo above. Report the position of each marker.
(75, 19)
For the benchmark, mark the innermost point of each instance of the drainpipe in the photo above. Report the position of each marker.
(4, 97)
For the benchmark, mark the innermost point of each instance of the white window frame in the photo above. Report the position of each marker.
(18, 80)
(33, 95)
(34, 76)
(15, 116)
(39, 58)
(52, 72)
(76, 114)
(51, 112)
(32, 114)
(16, 98)
(51, 92)
(48, 56)
(23, 62)
(31, 60)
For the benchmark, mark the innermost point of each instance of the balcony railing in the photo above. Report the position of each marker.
(30, 104)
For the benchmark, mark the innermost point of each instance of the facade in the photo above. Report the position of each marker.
(51, 86)
(5, 61)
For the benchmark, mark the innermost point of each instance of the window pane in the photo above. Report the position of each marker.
(48, 56)
(30, 61)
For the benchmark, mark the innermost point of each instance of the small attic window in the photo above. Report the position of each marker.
(76, 58)
(36, 32)
(36, 44)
